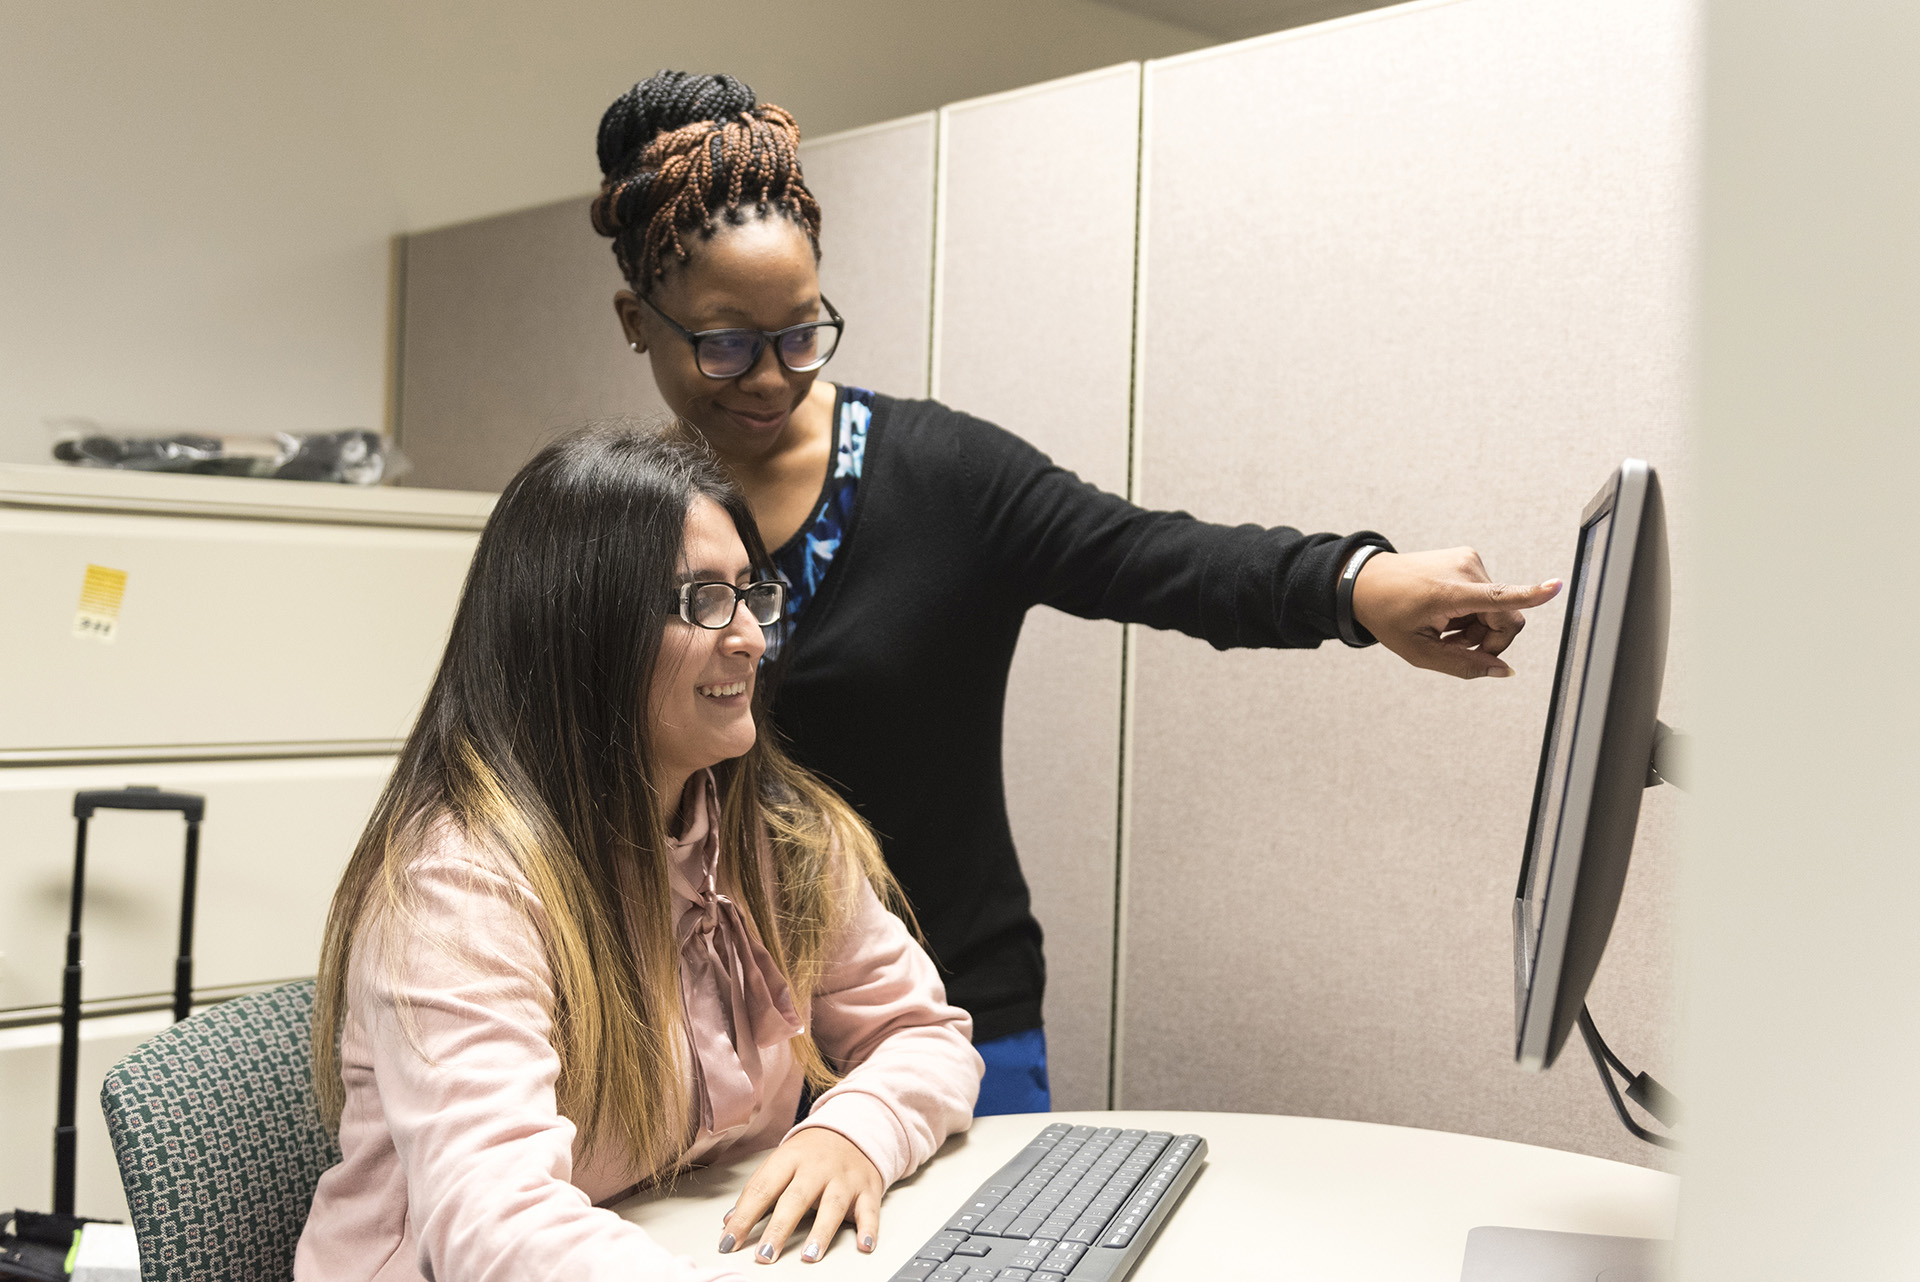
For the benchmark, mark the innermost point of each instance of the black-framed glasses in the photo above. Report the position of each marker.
(712, 605)
(729, 353)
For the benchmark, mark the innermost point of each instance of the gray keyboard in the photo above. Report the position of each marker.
(1078, 1204)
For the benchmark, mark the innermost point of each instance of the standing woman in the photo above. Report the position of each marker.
(915, 538)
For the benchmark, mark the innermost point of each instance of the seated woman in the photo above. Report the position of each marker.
(600, 929)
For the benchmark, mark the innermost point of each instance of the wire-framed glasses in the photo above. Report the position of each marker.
(712, 605)
(729, 353)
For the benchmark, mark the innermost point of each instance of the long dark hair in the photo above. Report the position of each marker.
(533, 742)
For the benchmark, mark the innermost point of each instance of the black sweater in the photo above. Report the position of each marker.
(897, 671)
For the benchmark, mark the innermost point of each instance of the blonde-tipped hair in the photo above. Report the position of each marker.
(532, 745)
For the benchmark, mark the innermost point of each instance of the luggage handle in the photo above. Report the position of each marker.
(139, 797)
(192, 807)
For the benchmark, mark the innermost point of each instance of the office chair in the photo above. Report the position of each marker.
(219, 1140)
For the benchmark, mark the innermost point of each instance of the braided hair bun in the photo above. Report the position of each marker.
(679, 152)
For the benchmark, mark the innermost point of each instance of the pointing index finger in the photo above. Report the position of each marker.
(1513, 596)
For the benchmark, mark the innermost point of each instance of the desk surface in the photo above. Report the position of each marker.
(1281, 1198)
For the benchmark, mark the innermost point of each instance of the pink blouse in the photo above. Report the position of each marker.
(457, 1165)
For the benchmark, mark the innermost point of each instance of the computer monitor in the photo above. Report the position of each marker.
(1595, 762)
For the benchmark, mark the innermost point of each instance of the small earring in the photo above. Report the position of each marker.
(634, 346)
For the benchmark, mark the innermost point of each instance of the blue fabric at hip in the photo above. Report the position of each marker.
(1016, 1080)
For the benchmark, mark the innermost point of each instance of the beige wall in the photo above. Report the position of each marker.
(198, 199)
(1802, 983)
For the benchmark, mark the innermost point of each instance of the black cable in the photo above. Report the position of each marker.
(1619, 1065)
(1601, 1058)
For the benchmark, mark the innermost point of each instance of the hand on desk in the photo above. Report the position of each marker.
(816, 1167)
(1439, 610)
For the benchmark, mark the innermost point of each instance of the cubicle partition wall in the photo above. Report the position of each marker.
(1433, 283)
(508, 337)
(876, 186)
(1423, 270)
(1033, 330)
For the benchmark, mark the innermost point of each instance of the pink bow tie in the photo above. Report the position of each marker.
(738, 1003)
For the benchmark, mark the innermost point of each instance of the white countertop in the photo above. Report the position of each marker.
(1280, 1198)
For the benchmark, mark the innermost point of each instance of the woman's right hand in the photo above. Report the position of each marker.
(1439, 610)
(816, 1167)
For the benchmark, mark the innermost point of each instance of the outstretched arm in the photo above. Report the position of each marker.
(1073, 546)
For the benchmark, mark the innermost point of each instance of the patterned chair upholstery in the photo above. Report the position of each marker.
(219, 1139)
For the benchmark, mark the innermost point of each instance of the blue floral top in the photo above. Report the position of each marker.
(803, 559)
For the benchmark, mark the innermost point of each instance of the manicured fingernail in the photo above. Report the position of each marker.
(866, 1243)
(812, 1252)
(726, 1244)
(766, 1252)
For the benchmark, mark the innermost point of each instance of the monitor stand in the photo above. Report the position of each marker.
(1536, 1255)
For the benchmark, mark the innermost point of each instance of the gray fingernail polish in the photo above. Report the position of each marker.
(866, 1243)
(726, 1244)
(766, 1252)
(812, 1252)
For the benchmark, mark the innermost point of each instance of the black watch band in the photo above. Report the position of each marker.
(1350, 630)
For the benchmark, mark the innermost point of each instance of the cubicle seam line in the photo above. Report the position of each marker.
(934, 290)
(1124, 781)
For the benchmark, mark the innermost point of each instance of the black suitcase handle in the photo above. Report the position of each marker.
(193, 807)
(139, 797)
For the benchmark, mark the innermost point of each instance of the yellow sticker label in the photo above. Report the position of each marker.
(100, 594)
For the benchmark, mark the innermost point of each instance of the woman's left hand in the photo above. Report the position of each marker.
(817, 1167)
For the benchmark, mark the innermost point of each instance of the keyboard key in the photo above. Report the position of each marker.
(1013, 1275)
(965, 1221)
(978, 1275)
(1065, 1256)
(914, 1271)
(1031, 1256)
(974, 1246)
(1049, 1276)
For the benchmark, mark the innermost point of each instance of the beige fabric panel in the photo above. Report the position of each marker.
(509, 338)
(1034, 332)
(875, 188)
(1431, 281)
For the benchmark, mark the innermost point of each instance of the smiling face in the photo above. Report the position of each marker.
(700, 701)
(757, 275)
